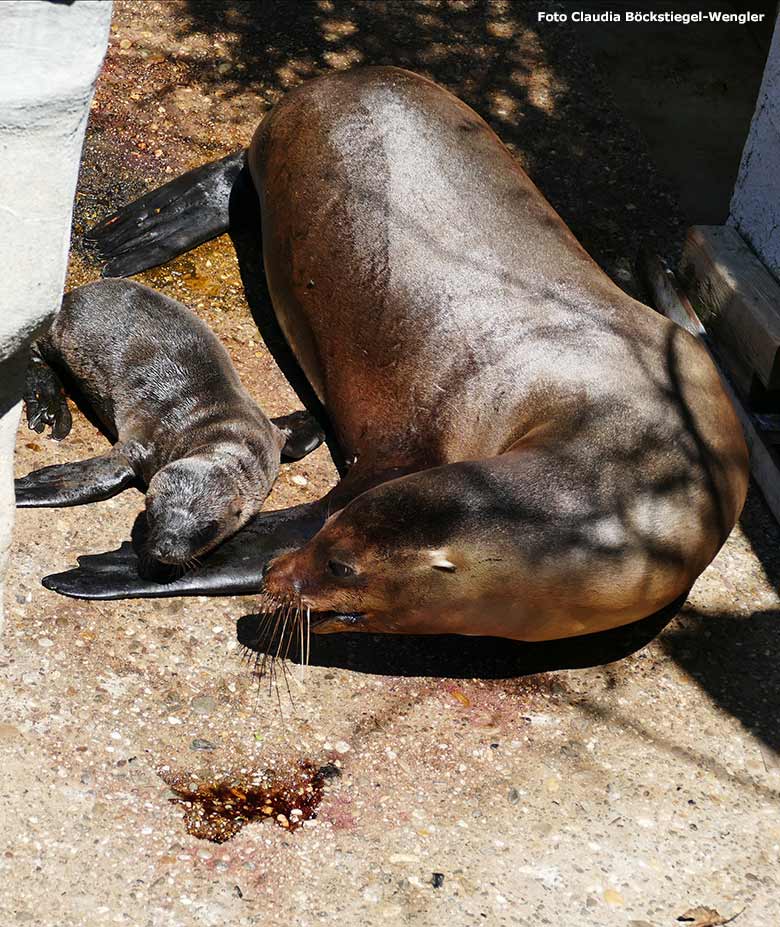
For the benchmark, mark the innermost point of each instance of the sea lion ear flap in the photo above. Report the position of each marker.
(440, 561)
(302, 434)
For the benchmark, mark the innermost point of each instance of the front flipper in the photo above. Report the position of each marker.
(168, 221)
(44, 399)
(234, 568)
(303, 434)
(89, 480)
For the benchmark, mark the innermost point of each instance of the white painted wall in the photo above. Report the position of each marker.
(50, 56)
(755, 205)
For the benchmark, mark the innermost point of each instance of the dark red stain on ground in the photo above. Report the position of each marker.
(218, 810)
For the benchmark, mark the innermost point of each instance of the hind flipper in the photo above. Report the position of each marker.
(302, 432)
(44, 399)
(67, 484)
(168, 221)
(234, 568)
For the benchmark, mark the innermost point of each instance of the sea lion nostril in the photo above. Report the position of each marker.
(164, 545)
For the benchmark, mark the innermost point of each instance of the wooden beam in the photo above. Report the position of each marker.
(672, 302)
(736, 298)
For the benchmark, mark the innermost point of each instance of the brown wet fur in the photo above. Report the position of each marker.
(553, 458)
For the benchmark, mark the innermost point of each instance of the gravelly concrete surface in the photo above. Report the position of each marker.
(622, 794)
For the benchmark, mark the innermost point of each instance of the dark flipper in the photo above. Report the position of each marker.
(234, 568)
(89, 480)
(303, 434)
(44, 399)
(168, 221)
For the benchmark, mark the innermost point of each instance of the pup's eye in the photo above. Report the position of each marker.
(340, 569)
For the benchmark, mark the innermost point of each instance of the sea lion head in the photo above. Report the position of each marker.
(191, 506)
(416, 555)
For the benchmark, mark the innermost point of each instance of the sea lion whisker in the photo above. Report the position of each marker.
(268, 656)
(308, 634)
(286, 677)
(301, 645)
(263, 626)
(295, 616)
(276, 689)
(284, 628)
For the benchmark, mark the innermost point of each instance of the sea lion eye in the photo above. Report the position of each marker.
(340, 569)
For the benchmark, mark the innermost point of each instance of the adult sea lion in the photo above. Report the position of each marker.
(536, 454)
(164, 388)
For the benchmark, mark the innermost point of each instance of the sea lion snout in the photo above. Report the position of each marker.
(310, 579)
(168, 549)
(282, 578)
(191, 506)
(182, 539)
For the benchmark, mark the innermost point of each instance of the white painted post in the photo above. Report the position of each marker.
(50, 56)
(755, 205)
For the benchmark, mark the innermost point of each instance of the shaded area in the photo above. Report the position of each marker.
(734, 656)
(533, 85)
(736, 661)
(491, 55)
(690, 91)
(246, 236)
(642, 729)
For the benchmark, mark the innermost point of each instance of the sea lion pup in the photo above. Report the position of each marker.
(537, 454)
(164, 388)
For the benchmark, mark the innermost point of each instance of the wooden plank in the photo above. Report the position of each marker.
(672, 302)
(736, 298)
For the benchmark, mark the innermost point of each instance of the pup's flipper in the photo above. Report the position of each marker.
(168, 221)
(234, 568)
(302, 432)
(44, 399)
(90, 480)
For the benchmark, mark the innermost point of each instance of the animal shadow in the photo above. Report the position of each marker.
(455, 656)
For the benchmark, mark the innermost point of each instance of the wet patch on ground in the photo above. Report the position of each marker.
(218, 810)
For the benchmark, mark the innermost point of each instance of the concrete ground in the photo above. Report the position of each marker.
(468, 781)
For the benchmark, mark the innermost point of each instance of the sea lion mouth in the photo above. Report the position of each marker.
(332, 622)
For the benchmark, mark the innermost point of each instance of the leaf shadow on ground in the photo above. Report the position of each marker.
(557, 118)
(734, 655)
